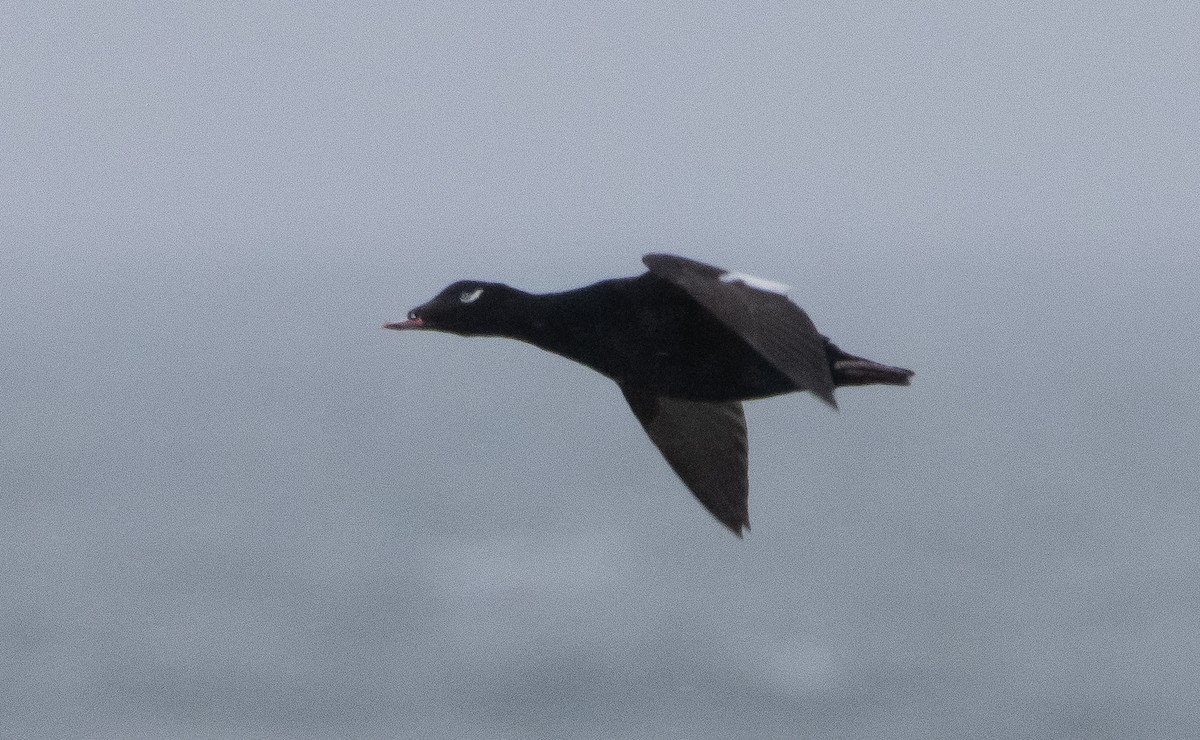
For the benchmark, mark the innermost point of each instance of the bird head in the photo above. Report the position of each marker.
(468, 308)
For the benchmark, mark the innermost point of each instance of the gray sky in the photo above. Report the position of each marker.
(235, 507)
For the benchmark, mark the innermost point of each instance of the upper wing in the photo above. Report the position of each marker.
(763, 317)
(705, 444)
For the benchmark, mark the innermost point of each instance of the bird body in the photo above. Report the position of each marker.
(646, 333)
(686, 342)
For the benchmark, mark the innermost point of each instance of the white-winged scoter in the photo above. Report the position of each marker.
(686, 342)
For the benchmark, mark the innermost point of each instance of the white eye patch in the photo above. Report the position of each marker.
(752, 281)
(468, 296)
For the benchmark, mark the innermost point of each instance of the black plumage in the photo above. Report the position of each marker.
(686, 342)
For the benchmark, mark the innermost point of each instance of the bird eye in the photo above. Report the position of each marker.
(467, 296)
(412, 315)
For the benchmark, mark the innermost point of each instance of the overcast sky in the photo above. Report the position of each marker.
(235, 507)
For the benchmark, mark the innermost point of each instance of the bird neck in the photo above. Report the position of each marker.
(541, 319)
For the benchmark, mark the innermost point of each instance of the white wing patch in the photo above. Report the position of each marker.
(752, 281)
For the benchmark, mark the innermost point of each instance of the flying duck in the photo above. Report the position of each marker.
(686, 343)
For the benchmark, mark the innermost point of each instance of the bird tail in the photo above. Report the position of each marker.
(850, 370)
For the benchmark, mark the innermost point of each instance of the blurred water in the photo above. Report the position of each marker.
(277, 526)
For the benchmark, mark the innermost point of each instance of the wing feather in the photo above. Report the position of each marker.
(772, 325)
(705, 444)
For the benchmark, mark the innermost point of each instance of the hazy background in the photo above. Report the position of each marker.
(232, 506)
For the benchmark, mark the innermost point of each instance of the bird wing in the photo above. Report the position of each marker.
(760, 314)
(705, 444)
